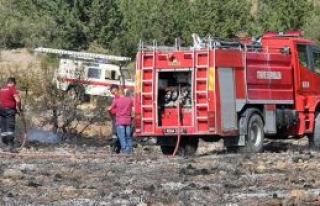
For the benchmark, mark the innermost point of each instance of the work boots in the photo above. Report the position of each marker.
(115, 146)
(8, 144)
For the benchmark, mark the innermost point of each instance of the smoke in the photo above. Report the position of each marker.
(42, 136)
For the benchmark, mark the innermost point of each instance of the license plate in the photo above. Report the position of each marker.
(173, 130)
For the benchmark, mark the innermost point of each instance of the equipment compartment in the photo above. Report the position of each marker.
(174, 87)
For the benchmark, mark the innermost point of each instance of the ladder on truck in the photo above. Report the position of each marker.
(75, 54)
(201, 104)
(148, 112)
(155, 47)
(147, 97)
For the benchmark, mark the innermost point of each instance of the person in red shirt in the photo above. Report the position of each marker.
(10, 104)
(122, 107)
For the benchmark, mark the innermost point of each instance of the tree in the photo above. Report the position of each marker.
(221, 18)
(105, 22)
(22, 26)
(72, 19)
(278, 15)
(161, 20)
(311, 27)
(118, 25)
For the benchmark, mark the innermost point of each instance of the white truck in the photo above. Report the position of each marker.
(83, 73)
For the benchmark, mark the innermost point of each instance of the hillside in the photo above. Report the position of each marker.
(117, 26)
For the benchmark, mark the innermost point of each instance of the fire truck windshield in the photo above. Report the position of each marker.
(309, 57)
(316, 62)
(303, 55)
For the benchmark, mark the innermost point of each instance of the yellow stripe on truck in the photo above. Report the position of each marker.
(138, 81)
(211, 78)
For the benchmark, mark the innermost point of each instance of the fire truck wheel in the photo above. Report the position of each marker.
(255, 136)
(167, 150)
(314, 139)
(190, 146)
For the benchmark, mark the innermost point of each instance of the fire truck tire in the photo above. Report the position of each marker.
(314, 139)
(167, 150)
(255, 136)
(188, 147)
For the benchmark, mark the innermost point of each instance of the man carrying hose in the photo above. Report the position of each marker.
(10, 104)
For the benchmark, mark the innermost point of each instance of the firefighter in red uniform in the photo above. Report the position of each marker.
(10, 104)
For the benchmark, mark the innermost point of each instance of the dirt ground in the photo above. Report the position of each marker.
(84, 172)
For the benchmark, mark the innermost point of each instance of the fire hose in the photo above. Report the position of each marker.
(179, 125)
(53, 155)
(23, 137)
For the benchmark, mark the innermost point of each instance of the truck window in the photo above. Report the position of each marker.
(94, 73)
(303, 55)
(316, 62)
(111, 75)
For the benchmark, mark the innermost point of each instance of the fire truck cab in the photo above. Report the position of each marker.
(89, 73)
(239, 91)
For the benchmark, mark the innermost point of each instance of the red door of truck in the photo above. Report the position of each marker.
(309, 68)
(308, 87)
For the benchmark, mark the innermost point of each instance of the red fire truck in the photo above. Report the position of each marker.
(240, 91)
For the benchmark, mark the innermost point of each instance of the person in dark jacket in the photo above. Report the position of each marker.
(10, 104)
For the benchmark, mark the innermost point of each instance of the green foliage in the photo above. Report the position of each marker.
(22, 26)
(312, 26)
(279, 15)
(116, 26)
(221, 18)
(163, 20)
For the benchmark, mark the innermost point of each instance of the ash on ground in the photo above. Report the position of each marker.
(285, 174)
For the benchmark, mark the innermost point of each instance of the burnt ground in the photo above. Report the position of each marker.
(85, 173)
(285, 174)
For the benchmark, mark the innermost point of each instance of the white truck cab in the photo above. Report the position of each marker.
(90, 73)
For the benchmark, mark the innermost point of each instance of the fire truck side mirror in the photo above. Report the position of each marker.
(285, 50)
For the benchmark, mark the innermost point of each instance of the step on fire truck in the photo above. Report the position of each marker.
(239, 91)
(83, 73)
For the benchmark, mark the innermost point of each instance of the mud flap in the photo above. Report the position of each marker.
(314, 139)
(243, 130)
(235, 141)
